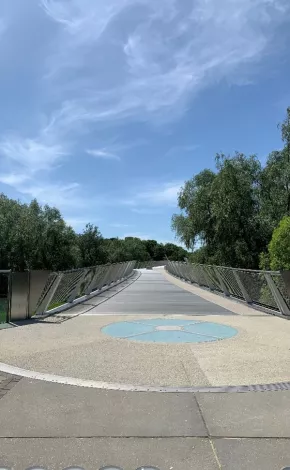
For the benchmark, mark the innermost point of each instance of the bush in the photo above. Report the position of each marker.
(279, 247)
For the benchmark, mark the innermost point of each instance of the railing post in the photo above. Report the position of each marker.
(117, 272)
(43, 307)
(245, 293)
(208, 279)
(75, 291)
(110, 267)
(97, 275)
(128, 269)
(283, 307)
(221, 281)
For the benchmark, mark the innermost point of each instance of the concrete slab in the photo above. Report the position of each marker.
(40, 409)
(250, 414)
(246, 454)
(77, 347)
(91, 454)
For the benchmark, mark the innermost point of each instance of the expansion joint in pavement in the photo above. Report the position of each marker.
(7, 382)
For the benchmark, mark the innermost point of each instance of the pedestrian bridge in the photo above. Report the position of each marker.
(153, 332)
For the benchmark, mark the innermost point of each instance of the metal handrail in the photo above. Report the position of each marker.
(266, 289)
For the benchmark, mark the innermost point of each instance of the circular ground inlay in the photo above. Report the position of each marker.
(162, 330)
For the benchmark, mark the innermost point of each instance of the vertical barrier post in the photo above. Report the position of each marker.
(221, 281)
(43, 307)
(245, 293)
(283, 307)
(75, 291)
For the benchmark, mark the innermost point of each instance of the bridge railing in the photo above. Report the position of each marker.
(266, 289)
(41, 292)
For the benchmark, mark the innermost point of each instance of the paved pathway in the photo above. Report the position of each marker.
(54, 425)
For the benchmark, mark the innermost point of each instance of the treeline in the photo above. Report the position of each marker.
(239, 215)
(36, 237)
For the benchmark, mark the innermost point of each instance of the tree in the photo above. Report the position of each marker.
(91, 246)
(174, 252)
(285, 131)
(35, 237)
(279, 247)
(220, 212)
(195, 200)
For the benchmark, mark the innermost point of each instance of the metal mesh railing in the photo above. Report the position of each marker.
(65, 287)
(258, 289)
(262, 288)
(280, 284)
(230, 281)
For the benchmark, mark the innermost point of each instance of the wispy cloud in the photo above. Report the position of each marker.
(139, 60)
(163, 194)
(149, 197)
(31, 154)
(103, 153)
(166, 52)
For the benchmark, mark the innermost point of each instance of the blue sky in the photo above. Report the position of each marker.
(108, 106)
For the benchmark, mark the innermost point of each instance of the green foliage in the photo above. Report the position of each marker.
(32, 237)
(35, 237)
(91, 246)
(279, 247)
(233, 211)
(264, 261)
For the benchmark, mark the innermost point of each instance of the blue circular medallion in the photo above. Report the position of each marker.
(162, 330)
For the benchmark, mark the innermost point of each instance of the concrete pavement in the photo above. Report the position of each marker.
(54, 425)
(59, 425)
(76, 347)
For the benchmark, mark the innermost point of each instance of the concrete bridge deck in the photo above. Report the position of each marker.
(79, 396)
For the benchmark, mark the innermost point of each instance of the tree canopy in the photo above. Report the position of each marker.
(36, 237)
(228, 215)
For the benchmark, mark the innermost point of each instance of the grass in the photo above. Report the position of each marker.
(55, 305)
(3, 310)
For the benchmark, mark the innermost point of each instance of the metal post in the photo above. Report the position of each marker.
(75, 291)
(283, 307)
(109, 268)
(222, 284)
(246, 296)
(51, 293)
(116, 273)
(96, 277)
(208, 279)
(122, 270)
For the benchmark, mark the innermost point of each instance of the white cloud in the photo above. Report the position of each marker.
(142, 60)
(62, 196)
(32, 154)
(13, 179)
(103, 153)
(148, 198)
(155, 55)
(163, 194)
